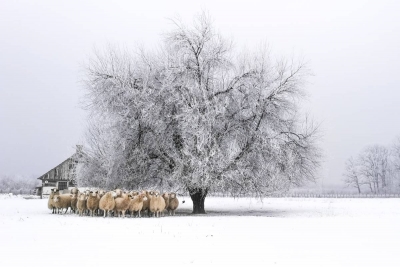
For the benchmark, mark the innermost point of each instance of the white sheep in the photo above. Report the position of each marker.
(157, 203)
(165, 196)
(136, 203)
(74, 202)
(92, 202)
(62, 202)
(146, 203)
(173, 204)
(107, 202)
(122, 204)
(81, 204)
(50, 202)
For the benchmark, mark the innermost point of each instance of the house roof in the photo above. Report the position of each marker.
(78, 150)
(40, 178)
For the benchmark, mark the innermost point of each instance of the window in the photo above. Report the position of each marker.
(62, 185)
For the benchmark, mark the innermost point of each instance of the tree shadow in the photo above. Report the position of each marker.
(238, 213)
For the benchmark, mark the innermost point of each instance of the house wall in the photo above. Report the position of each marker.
(46, 190)
(64, 172)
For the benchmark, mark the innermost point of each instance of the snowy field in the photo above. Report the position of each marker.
(246, 232)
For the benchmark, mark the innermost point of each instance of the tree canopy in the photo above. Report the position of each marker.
(196, 115)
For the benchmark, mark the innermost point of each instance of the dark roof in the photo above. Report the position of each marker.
(40, 178)
(78, 152)
(51, 180)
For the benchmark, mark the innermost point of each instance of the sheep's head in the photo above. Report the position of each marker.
(54, 191)
(82, 196)
(165, 196)
(142, 197)
(118, 192)
(172, 195)
(134, 193)
(74, 190)
(113, 194)
(150, 194)
(101, 193)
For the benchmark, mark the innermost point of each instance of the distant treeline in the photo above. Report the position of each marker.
(17, 184)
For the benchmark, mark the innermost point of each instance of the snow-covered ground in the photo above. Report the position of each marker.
(247, 232)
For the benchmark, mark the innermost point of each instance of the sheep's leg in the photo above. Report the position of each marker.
(139, 213)
(66, 210)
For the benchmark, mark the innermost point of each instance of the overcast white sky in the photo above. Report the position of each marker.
(353, 48)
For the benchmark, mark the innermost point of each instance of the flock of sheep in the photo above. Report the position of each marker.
(115, 202)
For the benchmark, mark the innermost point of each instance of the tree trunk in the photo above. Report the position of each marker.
(198, 196)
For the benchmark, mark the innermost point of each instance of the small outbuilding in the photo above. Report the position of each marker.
(63, 176)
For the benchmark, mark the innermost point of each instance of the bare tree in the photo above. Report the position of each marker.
(374, 161)
(395, 162)
(396, 155)
(374, 167)
(198, 116)
(352, 175)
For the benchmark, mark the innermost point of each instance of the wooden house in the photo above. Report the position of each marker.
(63, 176)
